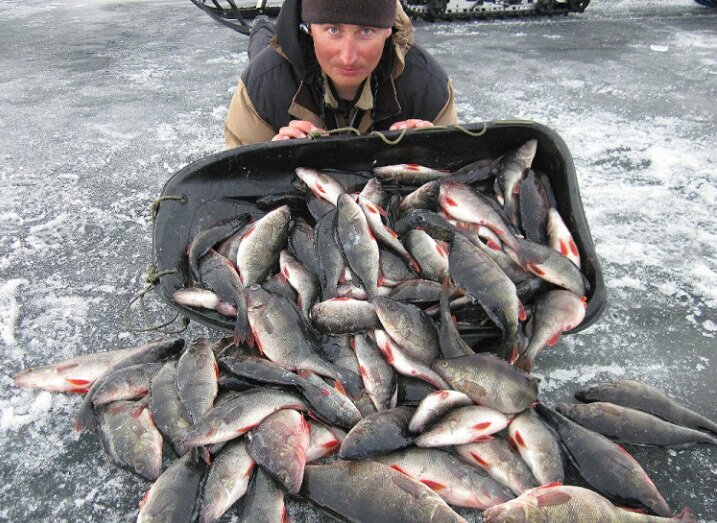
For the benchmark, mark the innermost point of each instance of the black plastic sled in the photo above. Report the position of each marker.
(228, 183)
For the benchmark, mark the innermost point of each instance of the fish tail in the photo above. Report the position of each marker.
(85, 419)
(242, 329)
(524, 363)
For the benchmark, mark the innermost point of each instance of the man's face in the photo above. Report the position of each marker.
(348, 54)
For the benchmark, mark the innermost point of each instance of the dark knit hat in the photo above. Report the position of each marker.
(373, 13)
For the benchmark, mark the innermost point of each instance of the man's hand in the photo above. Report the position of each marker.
(297, 129)
(413, 123)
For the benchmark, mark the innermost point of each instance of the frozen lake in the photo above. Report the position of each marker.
(102, 101)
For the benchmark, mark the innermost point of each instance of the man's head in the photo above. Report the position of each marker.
(349, 37)
(372, 13)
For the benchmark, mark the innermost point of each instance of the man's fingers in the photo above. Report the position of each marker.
(297, 129)
(412, 123)
(303, 126)
(287, 133)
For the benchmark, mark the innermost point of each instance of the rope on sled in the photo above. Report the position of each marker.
(154, 206)
(152, 278)
(352, 130)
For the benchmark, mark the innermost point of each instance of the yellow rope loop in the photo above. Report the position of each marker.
(378, 134)
(385, 140)
(340, 130)
(154, 206)
(472, 133)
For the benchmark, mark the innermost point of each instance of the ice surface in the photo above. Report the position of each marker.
(102, 101)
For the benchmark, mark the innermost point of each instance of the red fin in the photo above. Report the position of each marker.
(248, 232)
(521, 312)
(513, 355)
(82, 390)
(340, 388)
(483, 425)
(493, 245)
(388, 353)
(479, 460)
(78, 382)
(450, 201)
(564, 248)
(362, 371)
(415, 266)
(250, 469)
(399, 469)
(443, 250)
(554, 339)
(433, 485)
(519, 441)
(143, 501)
(331, 444)
(412, 167)
(535, 269)
(574, 248)
(246, 429)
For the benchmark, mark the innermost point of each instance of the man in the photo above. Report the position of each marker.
(334, 64)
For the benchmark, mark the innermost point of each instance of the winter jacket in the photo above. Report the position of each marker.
(284, 82)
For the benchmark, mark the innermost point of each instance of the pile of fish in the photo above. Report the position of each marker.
(385, 327)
